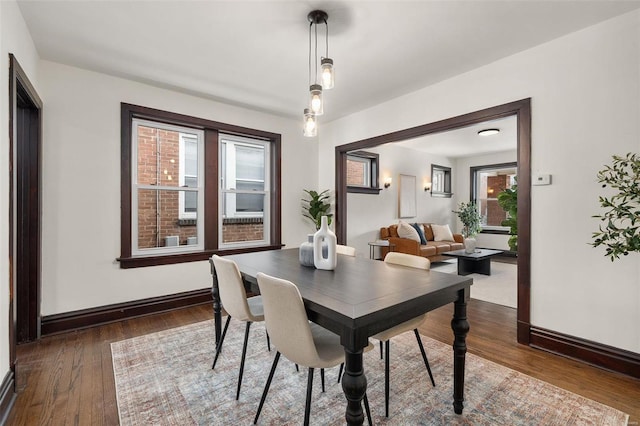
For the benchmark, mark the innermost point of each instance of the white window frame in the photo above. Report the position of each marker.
(478, 184)
(135, 187)
(366, 164)
(226, 141)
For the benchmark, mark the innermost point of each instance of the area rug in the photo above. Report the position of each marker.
(500, 287)
(165, 378)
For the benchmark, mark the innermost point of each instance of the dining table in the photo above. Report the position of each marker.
(359, 298)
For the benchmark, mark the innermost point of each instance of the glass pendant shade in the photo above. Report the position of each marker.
(315, 104)
(310, 128)
(327, 73)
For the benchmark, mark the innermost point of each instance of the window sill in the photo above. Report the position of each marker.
(442, 194)
(494, 231)
(360, 190)
(170, 259)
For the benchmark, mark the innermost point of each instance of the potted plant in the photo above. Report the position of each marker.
(317, 206)
(471, 219)
(508, 200)
(620, 230)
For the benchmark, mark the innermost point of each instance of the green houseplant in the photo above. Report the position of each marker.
(508, 200)
(619, 231)
(470, 218)
(316, 206)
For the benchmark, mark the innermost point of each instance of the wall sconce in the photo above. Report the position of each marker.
(387, 182)
(427, 186)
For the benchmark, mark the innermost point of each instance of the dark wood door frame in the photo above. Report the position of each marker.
(522, 110)
(25, 154)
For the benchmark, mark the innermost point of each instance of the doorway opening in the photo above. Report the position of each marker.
(25, 147)
(522, 111)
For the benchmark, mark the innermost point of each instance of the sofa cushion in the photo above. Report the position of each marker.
(441, 233)
(428, 233)
(420, 231)
(393, 231)
(426, 250)
(440, 246)
(456, 246)
(405, 230)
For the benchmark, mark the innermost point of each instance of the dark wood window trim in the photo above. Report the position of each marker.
(374, 178)
(522, 110)
(473, 196)
(211, 130)
(447, 182)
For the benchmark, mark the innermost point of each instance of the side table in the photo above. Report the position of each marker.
(379, 243)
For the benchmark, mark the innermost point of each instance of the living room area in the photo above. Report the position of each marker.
(425, 180)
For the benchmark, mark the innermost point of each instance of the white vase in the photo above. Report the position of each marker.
(469, 245)
(325, 235)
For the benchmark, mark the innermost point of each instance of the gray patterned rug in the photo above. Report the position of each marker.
(165, 378)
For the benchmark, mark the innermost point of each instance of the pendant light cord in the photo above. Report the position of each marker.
(326, 51)
(316, 56)
(310, 25)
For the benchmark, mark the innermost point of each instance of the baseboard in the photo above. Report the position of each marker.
(7, 396)
(607, 357)
(58, 323)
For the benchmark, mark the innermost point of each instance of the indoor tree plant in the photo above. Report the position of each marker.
(317, 206)
(508, 200)
(471, 219)
(619, 231)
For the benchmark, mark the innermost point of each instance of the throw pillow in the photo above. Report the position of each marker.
(407, 231)
(418, 228)
(441, 233)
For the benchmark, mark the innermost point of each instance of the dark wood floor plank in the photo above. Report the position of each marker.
(73, 373)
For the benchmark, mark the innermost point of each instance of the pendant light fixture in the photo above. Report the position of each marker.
(326, 82)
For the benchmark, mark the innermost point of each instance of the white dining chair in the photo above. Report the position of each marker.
(411, 261)
(346, 250)
(295, 337)
(235, 302)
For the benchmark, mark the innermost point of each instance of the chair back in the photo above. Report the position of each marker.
(286, 320)
(231, 287)
(346, 250)
(409, 260)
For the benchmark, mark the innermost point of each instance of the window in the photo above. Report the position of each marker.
(362, 172)
(486, 183)
(165, 188)
(193, 187)
(440, 181)
(244, 184)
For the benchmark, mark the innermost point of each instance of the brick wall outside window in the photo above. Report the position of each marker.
(158, 211)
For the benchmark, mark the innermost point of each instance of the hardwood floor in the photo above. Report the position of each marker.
(68, 379)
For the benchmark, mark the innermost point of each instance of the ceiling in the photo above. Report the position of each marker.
(466, 142)
(255, 53)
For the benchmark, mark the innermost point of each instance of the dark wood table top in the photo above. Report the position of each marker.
(360, 294)
(478, 254)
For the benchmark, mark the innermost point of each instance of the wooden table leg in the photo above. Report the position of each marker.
(354, 385)
(217, 306)
(460, 328)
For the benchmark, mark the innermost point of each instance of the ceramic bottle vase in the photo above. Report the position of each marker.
(325, 235)
(306, 252)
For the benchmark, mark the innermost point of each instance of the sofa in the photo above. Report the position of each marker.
(432, 250)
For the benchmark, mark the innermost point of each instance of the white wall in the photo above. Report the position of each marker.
(462, 189)
(585, 91)
(14, 38)
(81, 187)
(367, 213)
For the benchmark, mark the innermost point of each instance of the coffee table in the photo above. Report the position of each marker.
(477, 262)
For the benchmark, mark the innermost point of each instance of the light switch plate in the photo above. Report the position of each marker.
(540, 179)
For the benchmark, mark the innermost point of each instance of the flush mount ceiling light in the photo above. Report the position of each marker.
(488, 132)
(326, 82)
